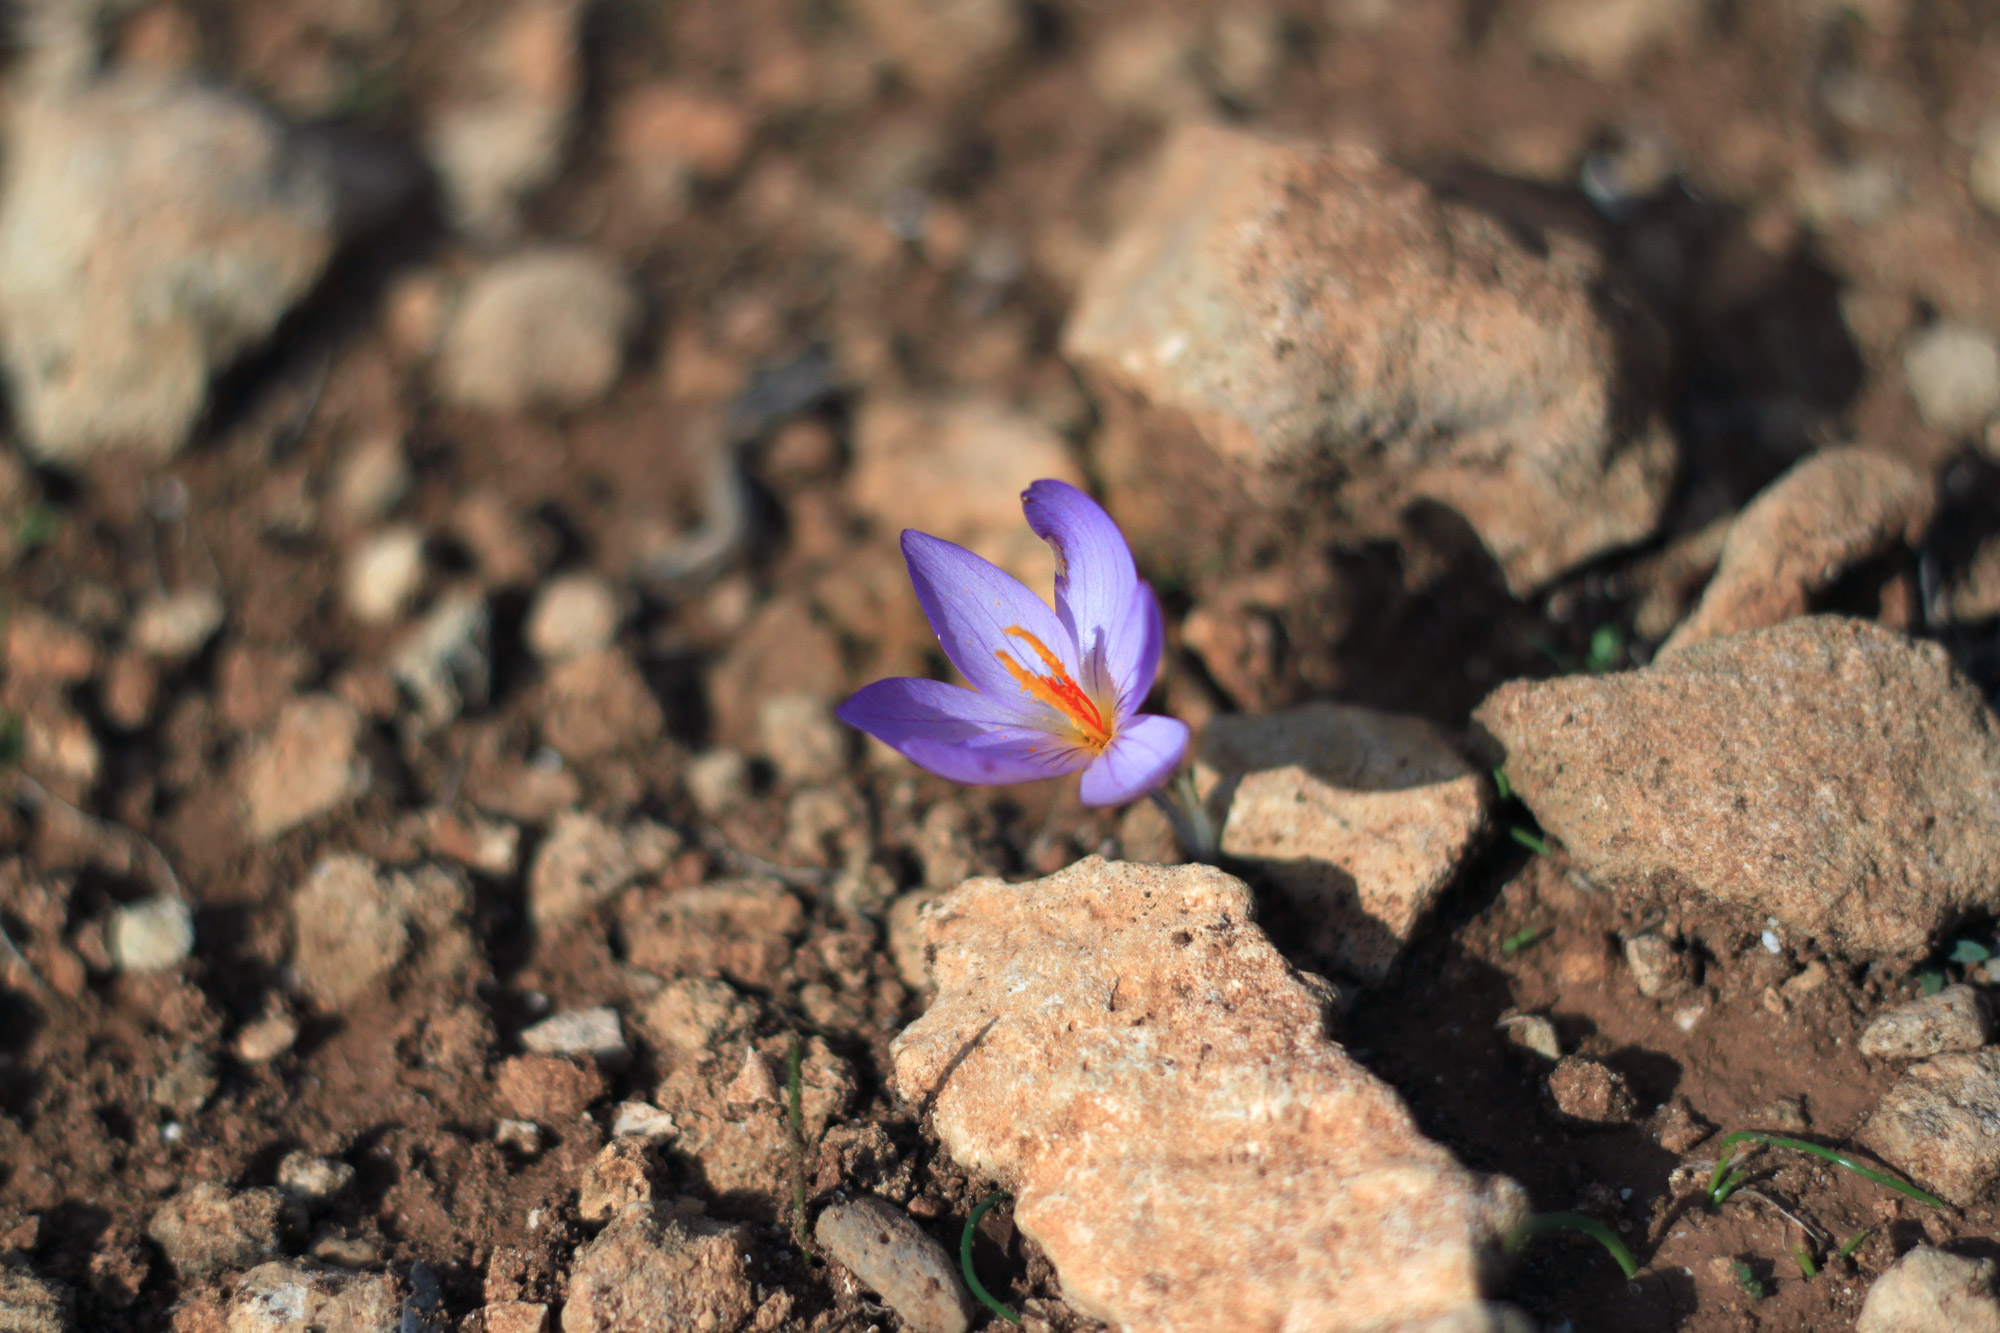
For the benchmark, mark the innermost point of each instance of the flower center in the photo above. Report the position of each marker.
(1058, 689)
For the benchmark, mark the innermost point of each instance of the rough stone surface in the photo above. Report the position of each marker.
(502, 135)
(294, 1297)
(653, 1268)
(623, 1173)
(1929, 1291)
(1826, 771)
(1311, 311)
(572, 616)
(1941, 1125)
(383, 574)
(594, 1032)
(1360, 818)
(151, 232)
(1957, 1018)
(955, 468)
(175, 625)
(880, 1244)
(353, 924)
(208, 1229)
(542, 329)
(1660, 970)
(694, 1015)
(739, 929)
(549, 1089)
(152, 935)
(306, 767)
(29, 1304)
(1953, 373)
(1591, 1091)
(316, 1179)
(1605, 37)
(805, 742)
(732, 1118)
(584, 861)
(1833, 511)
(598, 704)
(1121, 1048)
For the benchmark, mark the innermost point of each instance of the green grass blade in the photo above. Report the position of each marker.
(1854, 1242)
(1834, 1155)
(1529, 840)
(1807, 1267)
(972, 1281)
(1505, 787)
(1589, 1226)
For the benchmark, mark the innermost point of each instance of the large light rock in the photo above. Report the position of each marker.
(955, 468)
(1957, 1018)
(1279, 313)
(1940, 1124)
(151, 231)
(1826, 771)
(1833, 511)
(1122, 1048)
(884, 1247)
(1360, 818)
(1929, 1291)
(353, 924)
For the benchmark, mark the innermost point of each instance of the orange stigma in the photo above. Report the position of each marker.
(1058, 690)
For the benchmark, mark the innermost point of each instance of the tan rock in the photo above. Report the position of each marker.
(288, 1296)
(307, 766)
(653, 1268)
(1591, 1091)
(29, 1304)
(622, 1174)
(1360, 818)
(732, 1115)
(542, 329)
(514, 1317)
(784, 650)
(207, 1229)
(1837, 509)
(598, 704)
(1660, 970)
(503, 131)
(572, 616)
(549, 1089)
(1120, 1047)
(1826, 771)
(1278, 311)
(197, 226)
(740, 929)
(584, 861)
(1605, 37)
(1957, 1018)
(942, 45)
(1936, 1125)
(884, 1247)
(692, 1016)
(955, 468)
(1929, 1291)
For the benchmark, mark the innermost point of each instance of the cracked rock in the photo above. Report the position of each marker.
(1120, 1047)
(1957, 1018)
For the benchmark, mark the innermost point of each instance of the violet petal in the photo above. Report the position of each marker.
(1133, 656)
(958, 733)
(971, 604)
(1143, 755)
(1094, 571)
(1000, 757)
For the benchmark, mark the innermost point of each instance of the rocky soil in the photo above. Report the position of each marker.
(455, 453)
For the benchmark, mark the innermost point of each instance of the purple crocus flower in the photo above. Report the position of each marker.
(1053, 691)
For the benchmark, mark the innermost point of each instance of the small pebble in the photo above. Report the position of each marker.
(521, 1136)
(152, 935)
(884, 1248)
(642, 1119)
(594, 1032)
(314, 1178)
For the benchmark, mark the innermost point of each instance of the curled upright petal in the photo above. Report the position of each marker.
(1132, 657)
(1142, 757)
(972, 604)
(958, 733)
(1094, 571)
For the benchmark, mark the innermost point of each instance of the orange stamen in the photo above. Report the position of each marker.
(1058, 689)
